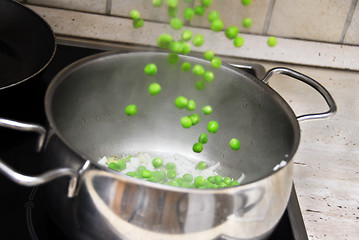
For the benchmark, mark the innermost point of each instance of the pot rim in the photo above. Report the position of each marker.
(87, 60)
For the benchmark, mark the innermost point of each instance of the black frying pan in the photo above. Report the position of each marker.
(27, 43)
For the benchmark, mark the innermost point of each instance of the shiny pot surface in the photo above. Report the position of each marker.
(85, 107)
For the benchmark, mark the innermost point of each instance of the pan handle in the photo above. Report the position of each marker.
(311, 82)
(30, 180)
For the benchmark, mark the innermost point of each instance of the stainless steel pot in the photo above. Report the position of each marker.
(85, 107)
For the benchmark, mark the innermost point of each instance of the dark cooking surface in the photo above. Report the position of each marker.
(23, 211)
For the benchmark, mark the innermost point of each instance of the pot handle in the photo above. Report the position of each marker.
(31, 180)
(311, 82)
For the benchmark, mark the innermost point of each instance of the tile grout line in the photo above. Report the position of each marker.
(108, 7)
(348, 20)
(268, 17)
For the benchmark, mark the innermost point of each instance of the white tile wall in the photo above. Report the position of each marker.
(352, 34)
(96, 6)
(321, 20)
(232, 12)
(148, 11)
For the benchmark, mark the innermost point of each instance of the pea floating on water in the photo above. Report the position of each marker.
(199, 181)
(170, 166)
(186, 35)
(171, 174)
(187, 178)
(216, 62)
(272, 41)
(232, 32)
(181, 102)
(208, 76)
(146, 173)
(151, 69)
(197, 147)
(227, 180)
(212, 126)
(188, 14)
(198, 40)
(213, 15)
(157, 162)
(247, 22)
(203, 138)
(218, 179)
(238, 41)
(164, 40)
(235, 144)
(176, 23)
(131, 110)
(186, 66)
(154, 89)
(186, 122)
(208, 55)
(201, 165)
(157, 3)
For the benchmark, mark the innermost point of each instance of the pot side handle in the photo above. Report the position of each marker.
(311, 82)
(31, 180)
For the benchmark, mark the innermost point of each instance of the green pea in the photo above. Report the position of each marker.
(203, 138)
(212, 185)
(200, 85)
(198, 70)
(238, 41)
(235, 144)
(157, 162)
(141, 168)
(171, 174)
(135, 15)
(211, 179)
(246, 2)
(146, 173)
(164, 40)
(188, 14)
(191, 105)
(185, 185)
(208, 76)
(208, 55)
(227, 180)
(247, 22)
(153, 178)
(186, 35)
(232, 32)
(176, 23)
(131, 174)
(151, 69)
(218, 179)
(234, 183)
(199, 181)
(206, 3)
(186, 48)
(172, 11)
(187, 178)
(112, 165)
(172, 58)
(199, 10)
(197, 147)
(198, 40)
(172, 3)
(217, 25)
(201, 165)
(138, 23)
(216, 62)
(181, 102)
(176, 47)
(186, 66)
(174, 183)
(154, 89)
(121, 164)
(194, 118)
(212, 126)
(272, 41)
(186, 122)
(222, 185)
(131, 110)
(157, 3)
(170, 166)
(207, 110)
(213, 15)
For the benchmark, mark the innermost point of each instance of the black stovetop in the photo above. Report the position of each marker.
(23, 213)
